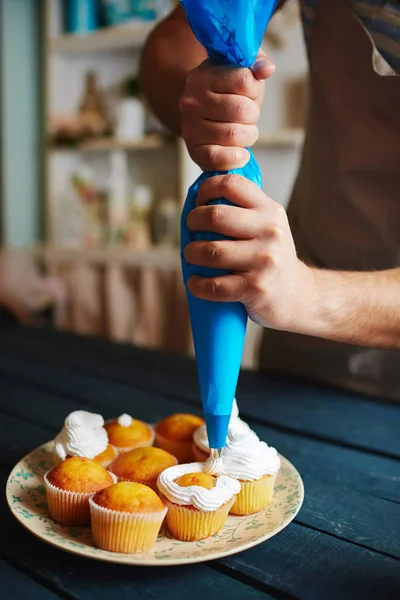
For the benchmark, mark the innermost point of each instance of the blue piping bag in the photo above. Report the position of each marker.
(231, 31)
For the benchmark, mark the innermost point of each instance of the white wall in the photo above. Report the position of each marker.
(20, 120)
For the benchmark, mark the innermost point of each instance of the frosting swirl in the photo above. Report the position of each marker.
(125, 420)
(83, 434)
(201, 498)
(247, 458)
(236, 425)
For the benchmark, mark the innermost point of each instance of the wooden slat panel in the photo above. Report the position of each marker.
(308, 409)
(16, 585)
(314, 566)
(375, 475)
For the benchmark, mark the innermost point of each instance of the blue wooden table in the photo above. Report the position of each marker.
(344, 544)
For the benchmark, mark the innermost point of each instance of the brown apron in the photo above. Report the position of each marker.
(345, 208)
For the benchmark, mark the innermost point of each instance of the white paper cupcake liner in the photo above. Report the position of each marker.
(125, 532)
(66, 507)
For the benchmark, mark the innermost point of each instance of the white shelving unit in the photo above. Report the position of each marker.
(109, 40)
(114, 54)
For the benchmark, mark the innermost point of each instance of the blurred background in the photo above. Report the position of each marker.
(92, 185)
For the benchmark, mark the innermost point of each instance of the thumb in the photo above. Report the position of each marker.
(263, 66)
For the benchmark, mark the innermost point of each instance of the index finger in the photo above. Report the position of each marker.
(235, 188)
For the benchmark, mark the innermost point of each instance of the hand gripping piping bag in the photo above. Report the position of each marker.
(231, 31)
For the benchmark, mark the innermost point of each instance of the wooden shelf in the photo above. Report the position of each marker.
(107, 144)
(157, 256)
(104, 40)
(282, 138)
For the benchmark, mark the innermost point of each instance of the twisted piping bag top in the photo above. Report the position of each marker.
(231, 31)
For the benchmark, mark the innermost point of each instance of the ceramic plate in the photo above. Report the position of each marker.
(26, 497)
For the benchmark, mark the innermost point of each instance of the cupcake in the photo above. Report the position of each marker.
(142, 465)
(84, 435)
(255, 465)
(107, 457)
(175, 434)
(126, 517)
(201, 447)
(127, 434)
(70, 485)
(198, 501)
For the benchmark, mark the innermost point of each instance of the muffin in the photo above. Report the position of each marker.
(198, 501)
(201, 447)
(126, 517)
(70, 485)
(255, 465)
(175, 435)
(142, 465)
(107, 457)
(84, 435)
(127, 434)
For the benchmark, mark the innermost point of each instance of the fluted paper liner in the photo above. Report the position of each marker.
(125, 532)
(66, 507)
(189, 524)
(254, 496)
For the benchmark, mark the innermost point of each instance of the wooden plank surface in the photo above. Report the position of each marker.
(292, 406)
(343, 545)
(16, 585)
(379, 476)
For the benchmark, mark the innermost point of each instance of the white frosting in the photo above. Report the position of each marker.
(236, 425)
(125, 420)
(206, 500)
(83, 434)
(247, 458)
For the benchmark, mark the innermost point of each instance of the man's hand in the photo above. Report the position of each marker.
(273, 284)
(220, 107)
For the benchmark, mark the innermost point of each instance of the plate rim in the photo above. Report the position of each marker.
(113, 557)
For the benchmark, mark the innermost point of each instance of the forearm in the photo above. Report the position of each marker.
(355, 307)
(170, 53)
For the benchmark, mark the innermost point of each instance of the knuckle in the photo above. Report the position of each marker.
(243, 81)
(215, 216)
(275, 232)
(187, 103)
(218, 288)
(248, 110)
(280, 214)
(264, 258)
(207, 157)
(228, 183)
(257, 284)
(212, 252)
(229, 133)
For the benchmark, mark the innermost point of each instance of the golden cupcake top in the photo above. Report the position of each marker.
(107, 456)
(78, 474)
(179, 427)
(142, 464)
(203, 480)
(195, 485)
(127, 496)
(126, 432)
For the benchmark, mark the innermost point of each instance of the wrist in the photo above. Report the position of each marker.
(326, 303)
